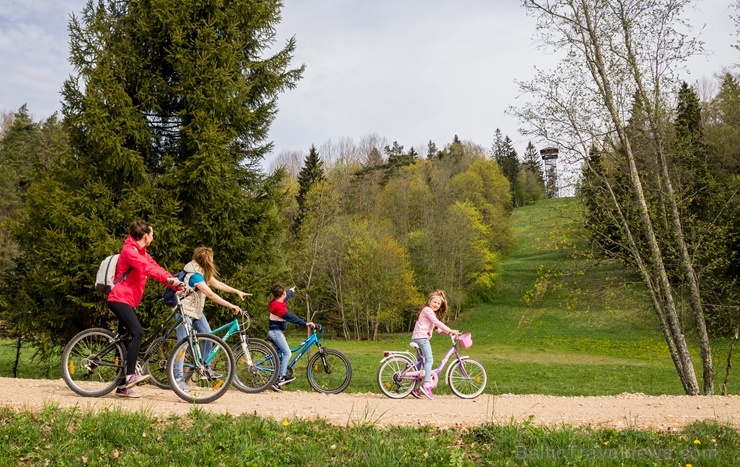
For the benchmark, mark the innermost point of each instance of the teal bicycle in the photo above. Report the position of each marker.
(329, 371)
(254, 358)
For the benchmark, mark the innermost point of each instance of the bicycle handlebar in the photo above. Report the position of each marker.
(246, 320)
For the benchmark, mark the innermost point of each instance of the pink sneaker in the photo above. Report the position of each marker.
(133, 380)
(427, 391)
(125, 392)
(416, 392)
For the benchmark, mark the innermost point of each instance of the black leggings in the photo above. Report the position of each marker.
(128, 322)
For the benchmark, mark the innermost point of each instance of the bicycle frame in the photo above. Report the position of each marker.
(145, 351)
(301, 349)
(156, 335)
(415, 370)
(231, 328)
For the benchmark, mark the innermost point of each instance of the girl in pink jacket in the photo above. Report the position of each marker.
(137, 265)
(430, 317)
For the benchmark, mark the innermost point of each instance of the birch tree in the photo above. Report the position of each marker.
(617, 53)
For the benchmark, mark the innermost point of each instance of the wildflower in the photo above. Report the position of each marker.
(286, 423)
(697, 442)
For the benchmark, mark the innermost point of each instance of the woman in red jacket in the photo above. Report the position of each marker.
(136, 263)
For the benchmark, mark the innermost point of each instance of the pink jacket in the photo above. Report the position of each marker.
(426, 323)
(131, 289)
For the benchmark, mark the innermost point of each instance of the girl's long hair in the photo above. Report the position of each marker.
(442, 312)
(203, 255)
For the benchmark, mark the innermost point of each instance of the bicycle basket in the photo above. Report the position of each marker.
(465, 340)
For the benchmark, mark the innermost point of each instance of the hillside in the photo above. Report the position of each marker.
(564, 324)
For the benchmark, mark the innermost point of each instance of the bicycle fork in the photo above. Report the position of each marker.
(322, 353)
(245, 349)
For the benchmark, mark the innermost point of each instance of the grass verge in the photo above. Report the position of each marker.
(56, 436)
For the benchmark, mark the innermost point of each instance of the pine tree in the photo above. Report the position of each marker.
(311, 173)
(167, 117)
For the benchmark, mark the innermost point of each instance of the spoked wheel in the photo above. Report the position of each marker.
(329, 372)
(390, 377)
(92, 364)
(156, 364)
(467, 378)
(203, 379)
(262, 373)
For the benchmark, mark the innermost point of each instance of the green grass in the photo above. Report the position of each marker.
(56, 436)
(560, 324)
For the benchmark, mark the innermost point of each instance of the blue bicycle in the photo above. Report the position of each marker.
(328, 371)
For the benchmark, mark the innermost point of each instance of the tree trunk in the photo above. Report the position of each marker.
(599, 72)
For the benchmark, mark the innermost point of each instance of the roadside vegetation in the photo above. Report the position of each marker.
(57, 436)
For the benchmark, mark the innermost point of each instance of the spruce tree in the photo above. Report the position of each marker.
(533, 163)
(167, 115)
(311, 173)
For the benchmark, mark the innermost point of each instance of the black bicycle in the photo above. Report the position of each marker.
(94, 360)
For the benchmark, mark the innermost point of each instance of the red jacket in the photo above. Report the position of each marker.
(131, 289)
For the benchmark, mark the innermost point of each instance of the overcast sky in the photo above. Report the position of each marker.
(407, 70)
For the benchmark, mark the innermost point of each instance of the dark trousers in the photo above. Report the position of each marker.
(128, 322)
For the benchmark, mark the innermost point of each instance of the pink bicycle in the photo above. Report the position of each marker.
(401, 372)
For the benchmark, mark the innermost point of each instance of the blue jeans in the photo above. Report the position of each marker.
(200, 325)
(278, 337)
(426, 351)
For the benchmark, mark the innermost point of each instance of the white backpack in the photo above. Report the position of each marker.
(105, 279)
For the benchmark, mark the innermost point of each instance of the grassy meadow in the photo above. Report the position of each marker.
(559, 324)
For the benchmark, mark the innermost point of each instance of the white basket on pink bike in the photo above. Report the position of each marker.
(465, 340)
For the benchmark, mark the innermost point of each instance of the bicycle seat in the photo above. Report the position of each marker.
(414, 345)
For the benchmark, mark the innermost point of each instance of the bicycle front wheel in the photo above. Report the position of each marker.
(329, 371)
(205, 377)
(467, 378)
(93, 363)
(156, 362)
(262, 373)
(390, 377)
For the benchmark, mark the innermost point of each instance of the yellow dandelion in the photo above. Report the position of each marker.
(286, 423)
(696, 441)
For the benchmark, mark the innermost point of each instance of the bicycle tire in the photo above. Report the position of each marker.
(390, 377)
(262, 373)
(201, 388)
(92, 366)
(156, 362)
(467, 387)
(329, 373)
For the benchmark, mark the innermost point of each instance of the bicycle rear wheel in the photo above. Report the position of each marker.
(201, 385)
(262, 373)
(329, 372)
(156, 362)
(92, 363)
(390, 377)
(470, 386)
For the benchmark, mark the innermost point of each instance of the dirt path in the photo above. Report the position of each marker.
(622, 411)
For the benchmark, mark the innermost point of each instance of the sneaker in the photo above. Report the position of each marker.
(276, 388)
(133, 380)
(283, 380)
(183, 385)
(211, 374)
(427, 391)
(126, 392)
(416, 392)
